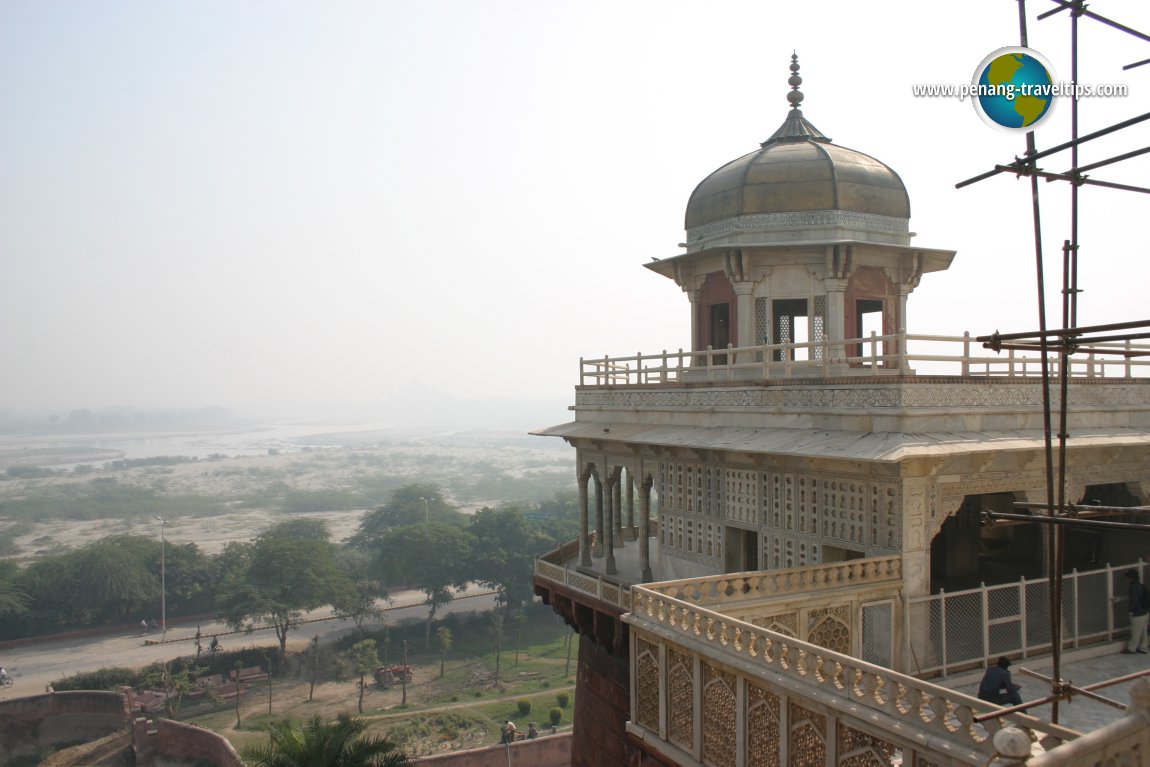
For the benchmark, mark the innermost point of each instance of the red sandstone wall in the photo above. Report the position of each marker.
(176, 740)
(32, 723)
(602, 708)
(545, 751)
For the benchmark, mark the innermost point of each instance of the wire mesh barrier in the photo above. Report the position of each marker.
(958, 631)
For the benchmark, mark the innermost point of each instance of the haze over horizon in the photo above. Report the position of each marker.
(278, 207)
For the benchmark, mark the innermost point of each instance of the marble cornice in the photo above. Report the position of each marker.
(984, 393)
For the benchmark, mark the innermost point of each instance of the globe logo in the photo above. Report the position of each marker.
(1013, 89)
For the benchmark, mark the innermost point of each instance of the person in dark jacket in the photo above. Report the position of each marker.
(1138, 614)
(997, 686)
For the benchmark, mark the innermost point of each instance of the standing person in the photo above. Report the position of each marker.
(1138, 614)
(998, 687)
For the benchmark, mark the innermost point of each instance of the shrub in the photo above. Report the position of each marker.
(556, 716)
(112, 678)
(524, 706)
(563, 699)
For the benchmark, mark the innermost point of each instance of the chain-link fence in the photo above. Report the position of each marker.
(953, 632)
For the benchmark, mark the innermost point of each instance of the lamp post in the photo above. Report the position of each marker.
(426, 512)
(163, 581)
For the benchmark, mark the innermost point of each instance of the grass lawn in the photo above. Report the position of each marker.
(464, 708)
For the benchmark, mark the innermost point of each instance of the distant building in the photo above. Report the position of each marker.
(767, 518)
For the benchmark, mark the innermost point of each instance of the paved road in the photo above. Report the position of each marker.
(37, 665)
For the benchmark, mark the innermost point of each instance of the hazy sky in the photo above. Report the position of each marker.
(274, 204)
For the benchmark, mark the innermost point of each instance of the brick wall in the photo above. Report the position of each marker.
(602, 708)
(36, 722)
(544, 751)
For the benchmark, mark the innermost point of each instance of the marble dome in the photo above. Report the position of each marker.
(798, 170)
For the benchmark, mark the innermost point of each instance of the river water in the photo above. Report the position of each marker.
(247, 439)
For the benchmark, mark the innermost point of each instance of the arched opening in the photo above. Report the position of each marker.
(966, 553)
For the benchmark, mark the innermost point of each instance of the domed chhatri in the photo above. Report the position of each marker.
(799, 171)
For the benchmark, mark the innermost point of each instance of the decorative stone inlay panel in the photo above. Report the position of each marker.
(858, 749)
(758, 222)
(681, 698)
(987, 393)
(690, 488)
(831, 628)
(783, 623)
(647, 685)
(763, 739)
(550, 571)
(804, 511)
(741, 495)
(690, 399)
(719, 717)
(691, 539)
(807, 741)
(583, 583)
(689, 526)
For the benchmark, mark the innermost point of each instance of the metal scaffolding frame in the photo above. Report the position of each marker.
(1070, 338)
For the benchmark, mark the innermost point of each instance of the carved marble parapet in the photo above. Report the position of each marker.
(681, 651)
(816, 224)
(977, 393)
(740, 587)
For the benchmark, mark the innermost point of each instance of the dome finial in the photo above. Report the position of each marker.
(795, 80)
(795, 127)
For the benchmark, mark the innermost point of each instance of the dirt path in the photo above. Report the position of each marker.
(35, 666)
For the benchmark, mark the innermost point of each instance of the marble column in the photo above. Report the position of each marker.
(617, 505)
(610, 518)
(584, 538)
(645, 529)
(631, 504)
(745, 318)
(597, 548)
(836, 320)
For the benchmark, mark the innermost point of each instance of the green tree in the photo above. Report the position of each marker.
(46, 585)
(176, 683)
(432, 558)
(110, 579)
(363, 660)
(13, 601)
(361, 601)
(497, 630)
(324, 744)
(291, 570)
(188, 578)
(518, 623)
(312, 655)
(414, 504)
(560, 522)
(445, 640)
(504, 552)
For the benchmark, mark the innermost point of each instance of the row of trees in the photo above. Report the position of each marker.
(415, 540)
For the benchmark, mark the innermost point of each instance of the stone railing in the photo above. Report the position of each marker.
(900, 713)
(895, 354)
(715, 590)
(609, 591)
